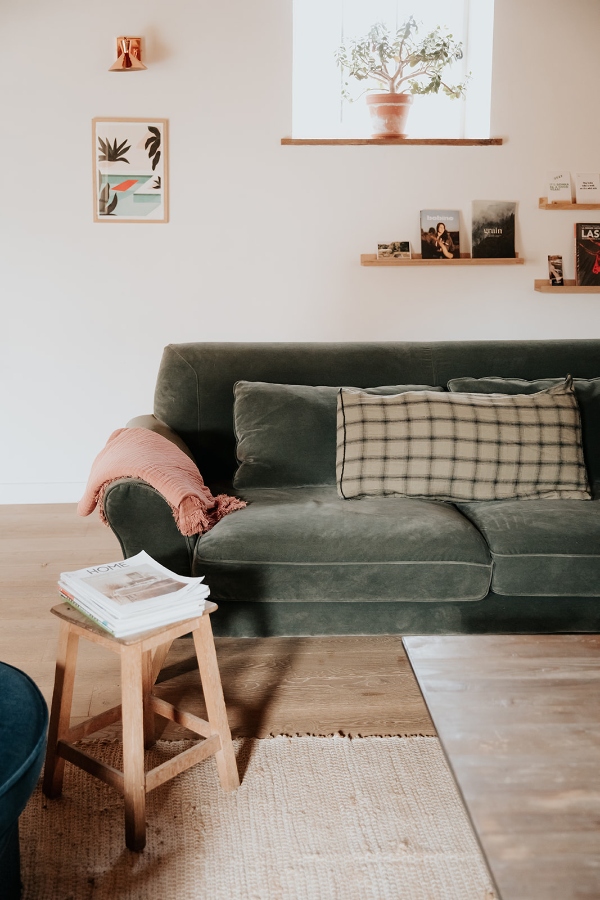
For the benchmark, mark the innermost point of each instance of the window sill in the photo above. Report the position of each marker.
(393, 142)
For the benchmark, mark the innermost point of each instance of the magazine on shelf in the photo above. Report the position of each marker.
(587, 254)
(133, 595)
(493, 229)
(555, 271)
(559, 187)
(440, 234)
(587, 187)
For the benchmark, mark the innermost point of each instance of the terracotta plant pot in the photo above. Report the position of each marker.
(388, 114)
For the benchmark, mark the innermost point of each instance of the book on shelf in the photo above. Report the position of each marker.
(587, 254)
(440, 234)
(587, 187)
(133, 595)
(555, 270)
(559, 187)
(493, 229)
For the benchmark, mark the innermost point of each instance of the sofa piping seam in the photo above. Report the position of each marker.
(391, 562)
(195, 376)
(545, 555)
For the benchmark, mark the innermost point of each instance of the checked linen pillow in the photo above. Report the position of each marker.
(461, 447)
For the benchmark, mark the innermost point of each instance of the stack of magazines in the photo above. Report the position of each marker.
(133, 595)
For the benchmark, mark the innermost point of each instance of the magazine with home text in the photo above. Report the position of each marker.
(133, 594)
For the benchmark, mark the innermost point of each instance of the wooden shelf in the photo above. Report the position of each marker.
(562, 204)
(569, 287)
(392, 142)
(370, 259)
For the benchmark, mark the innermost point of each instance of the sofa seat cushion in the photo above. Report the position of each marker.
(541, 547)
(307, 544)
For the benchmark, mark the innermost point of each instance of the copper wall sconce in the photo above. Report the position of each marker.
(129, 52)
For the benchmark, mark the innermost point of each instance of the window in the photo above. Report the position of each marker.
(321, 26)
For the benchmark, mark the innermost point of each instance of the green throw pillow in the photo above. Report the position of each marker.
(286, 433)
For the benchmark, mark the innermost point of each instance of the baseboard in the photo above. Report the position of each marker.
(54, 492)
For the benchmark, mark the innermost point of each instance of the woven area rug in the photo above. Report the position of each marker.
(315, 818)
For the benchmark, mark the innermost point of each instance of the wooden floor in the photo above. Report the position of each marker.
(310, 685)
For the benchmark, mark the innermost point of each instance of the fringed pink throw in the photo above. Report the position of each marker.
(141, 453)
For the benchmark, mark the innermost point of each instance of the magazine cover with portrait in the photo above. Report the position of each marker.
(440, 235)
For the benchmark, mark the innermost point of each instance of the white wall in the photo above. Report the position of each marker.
(264, 240)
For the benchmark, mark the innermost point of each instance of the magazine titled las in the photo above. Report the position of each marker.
(587, 254)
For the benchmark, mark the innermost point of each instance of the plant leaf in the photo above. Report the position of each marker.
(112, 204)
(155, 161)
(154, 130)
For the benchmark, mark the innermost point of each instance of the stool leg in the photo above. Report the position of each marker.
(134, 786)
(215, 703)
(60, 716)
(159, 658)
(148, 682)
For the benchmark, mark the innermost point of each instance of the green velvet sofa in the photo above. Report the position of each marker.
(299, 560)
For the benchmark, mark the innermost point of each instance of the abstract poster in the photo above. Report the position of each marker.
(130, 170)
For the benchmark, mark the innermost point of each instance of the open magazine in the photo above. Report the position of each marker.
(133, 595)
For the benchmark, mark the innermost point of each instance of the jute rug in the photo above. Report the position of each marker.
(315, 818)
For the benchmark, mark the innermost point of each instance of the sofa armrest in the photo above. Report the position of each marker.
(141, 518)
(153, 424)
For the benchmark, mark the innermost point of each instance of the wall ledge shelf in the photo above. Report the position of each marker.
(569, 287)
(370, 259)
(392, 142)
(562, 204)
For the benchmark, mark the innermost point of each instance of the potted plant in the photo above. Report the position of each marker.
(402, 65)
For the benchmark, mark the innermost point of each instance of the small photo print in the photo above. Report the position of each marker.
(555, 271)
(395, 250)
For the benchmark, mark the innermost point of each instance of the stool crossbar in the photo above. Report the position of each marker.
(142, 657)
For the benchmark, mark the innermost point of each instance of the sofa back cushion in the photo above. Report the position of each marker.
(587, 391)
(461, 446)
(194, 387)
(285, 433)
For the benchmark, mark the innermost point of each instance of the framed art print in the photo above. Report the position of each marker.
(130, 170)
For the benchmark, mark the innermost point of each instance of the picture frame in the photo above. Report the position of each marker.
(130, 169)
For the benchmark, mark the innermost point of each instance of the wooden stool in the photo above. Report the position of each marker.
(142, 657)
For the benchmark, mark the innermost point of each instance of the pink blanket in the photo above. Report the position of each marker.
(140, 453)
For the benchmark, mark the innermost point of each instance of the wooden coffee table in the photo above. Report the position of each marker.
(518, 717)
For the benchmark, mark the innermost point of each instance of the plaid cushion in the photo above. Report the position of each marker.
(461, 446)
